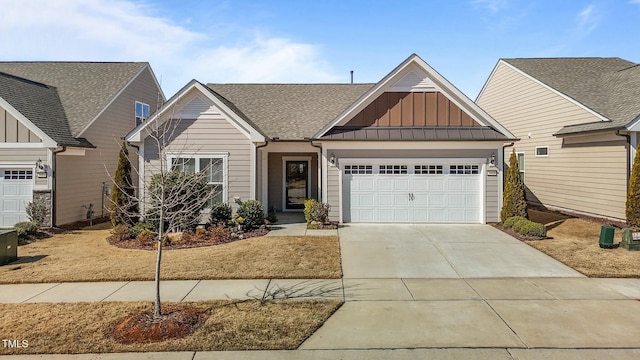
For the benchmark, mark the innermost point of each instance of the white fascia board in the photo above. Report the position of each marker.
(46, 140)
(410, 145)
(292, 146)
(167, 110)
(568, 98)
(36, 145)
(455, 95)
(634, 125)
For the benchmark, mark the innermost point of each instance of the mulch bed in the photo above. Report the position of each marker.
(144, 327)
(516, 235)
(192, 243)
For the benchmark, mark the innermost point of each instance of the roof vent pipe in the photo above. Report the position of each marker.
(351, 76)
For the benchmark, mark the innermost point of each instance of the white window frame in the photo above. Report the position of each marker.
(542, 147)
(141, 117)
(197, 157)
(524, 163)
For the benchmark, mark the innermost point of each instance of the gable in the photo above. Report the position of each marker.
(14, 131)
(412, 109)
(413, 95)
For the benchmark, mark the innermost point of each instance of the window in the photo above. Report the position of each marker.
(520, 157)
(358, 169)
(542, 151)
(393, 169)
(142, 112)
(18, 174)
(429, 169)
(464, 169)
(213, 165)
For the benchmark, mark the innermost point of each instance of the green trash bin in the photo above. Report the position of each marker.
(606, 236)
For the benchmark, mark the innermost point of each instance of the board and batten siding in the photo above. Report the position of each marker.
(492, 200)
(80, 178)
(13, 131)
(209, 135)
(585, 177)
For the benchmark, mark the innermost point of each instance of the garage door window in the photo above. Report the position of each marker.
(358, 169)
(429, 169)
(18, 174)
(464, 169)
(393, 169)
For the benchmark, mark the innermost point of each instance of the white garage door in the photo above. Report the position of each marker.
(437, 193)
(16, 191)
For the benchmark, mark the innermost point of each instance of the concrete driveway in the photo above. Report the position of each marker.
(440, 251)
(472, 286)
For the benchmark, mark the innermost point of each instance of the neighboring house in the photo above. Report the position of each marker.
(578, 120)
(61, 127)
(410, 148)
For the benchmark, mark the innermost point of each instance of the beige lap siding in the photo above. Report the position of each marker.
(80, 178)
(205, 136)
(589, 178)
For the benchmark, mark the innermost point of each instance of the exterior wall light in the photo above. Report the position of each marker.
(493, 159)
(333, 159)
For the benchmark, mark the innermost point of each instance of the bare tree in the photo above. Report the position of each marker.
(171, 194)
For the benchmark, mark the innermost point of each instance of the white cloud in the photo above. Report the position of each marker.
(123, 30)
(588, 19)
(493, 5)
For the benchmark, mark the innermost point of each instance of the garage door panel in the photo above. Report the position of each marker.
(415, 197)
(16, 191)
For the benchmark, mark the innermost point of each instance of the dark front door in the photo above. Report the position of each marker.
(296, 183)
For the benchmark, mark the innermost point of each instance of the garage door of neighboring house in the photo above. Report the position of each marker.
(16, 191)
(405, 192)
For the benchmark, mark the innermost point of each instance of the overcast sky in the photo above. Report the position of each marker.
(309, 41)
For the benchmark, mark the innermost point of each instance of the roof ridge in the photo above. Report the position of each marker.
(73, 62)
(292, 84)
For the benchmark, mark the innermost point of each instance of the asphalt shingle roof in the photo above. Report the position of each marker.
(40, 104)
(290, 111)
(84, 88)
(608, 86)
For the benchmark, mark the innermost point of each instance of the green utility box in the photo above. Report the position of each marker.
(630, 239)
(8, 246)
(606, 236)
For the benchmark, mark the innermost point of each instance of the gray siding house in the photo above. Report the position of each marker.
(578, 121)
(61, 127)
(410, 148)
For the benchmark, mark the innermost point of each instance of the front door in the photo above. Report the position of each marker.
(296, 186)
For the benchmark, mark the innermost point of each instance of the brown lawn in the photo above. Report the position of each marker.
(575, 243)
(85, 255)
(88, 327)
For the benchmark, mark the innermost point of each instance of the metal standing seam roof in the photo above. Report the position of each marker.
(410, 133)
(608, 86)
(40, 104)
(289, 111)
(84, 88)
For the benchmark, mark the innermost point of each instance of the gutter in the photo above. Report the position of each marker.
(628, 146)
(54, 184)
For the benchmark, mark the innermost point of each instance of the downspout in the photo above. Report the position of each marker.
(266, 142)
(54, 184)
(319, 159)
(628, 146)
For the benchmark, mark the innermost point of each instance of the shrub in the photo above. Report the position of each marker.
(633, 194)
(37, 212)
(533, 229)
(25, 229)
(308, 205)
(123, 208)
(271, 217)
(220, 214)
(185, 195)
(511, 221)
(252, 213)
(120, 233)
(141, 226)
(514, 202)
(146, 237)
(518, 225)
(221, 234)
